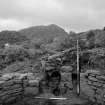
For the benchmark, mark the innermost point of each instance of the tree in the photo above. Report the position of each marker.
(90, 39)
(36, 43)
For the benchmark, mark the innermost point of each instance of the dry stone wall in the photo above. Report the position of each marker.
(93, 86)
(14, 87)
(92, 82)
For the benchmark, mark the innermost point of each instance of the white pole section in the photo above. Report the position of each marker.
(78, 71)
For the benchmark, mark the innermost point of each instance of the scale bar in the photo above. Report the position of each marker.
(52, 98)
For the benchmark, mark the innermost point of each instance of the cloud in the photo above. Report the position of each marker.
(11, 24)
(77, 15)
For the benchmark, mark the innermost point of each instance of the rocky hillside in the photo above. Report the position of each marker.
(45, 33)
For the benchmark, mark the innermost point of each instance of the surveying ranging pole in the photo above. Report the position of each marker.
(78, 70)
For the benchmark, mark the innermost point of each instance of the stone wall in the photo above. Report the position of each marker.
(93, 86)
(92, 82)
(14, 87)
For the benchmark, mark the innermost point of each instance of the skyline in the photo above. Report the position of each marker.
(71, 15)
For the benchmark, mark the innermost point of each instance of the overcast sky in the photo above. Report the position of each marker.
(73, 15)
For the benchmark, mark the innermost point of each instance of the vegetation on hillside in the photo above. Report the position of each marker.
(29, 45)
(44, 33)
(11, 37)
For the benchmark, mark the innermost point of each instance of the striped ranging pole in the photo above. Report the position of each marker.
(78, 71)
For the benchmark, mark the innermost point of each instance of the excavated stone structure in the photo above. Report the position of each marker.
(16, 87)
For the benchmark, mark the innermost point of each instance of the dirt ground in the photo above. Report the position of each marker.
(71, 100)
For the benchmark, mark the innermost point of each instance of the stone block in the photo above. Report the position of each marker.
(31, 91)
(66, 69)
(90, 82)
(66, 77)
(102, 77)
(92, 78)
(33, 83)
(97, 84)
(18, 82)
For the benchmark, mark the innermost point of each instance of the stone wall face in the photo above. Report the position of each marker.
(93, 86)
(92, 83)
(13, 87)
